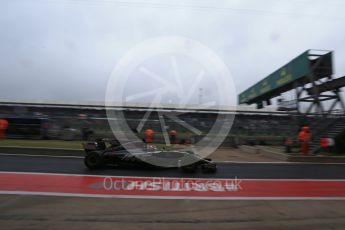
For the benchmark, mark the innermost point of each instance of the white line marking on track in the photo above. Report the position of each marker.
(277, 162)
(165, 197)
(173, 178)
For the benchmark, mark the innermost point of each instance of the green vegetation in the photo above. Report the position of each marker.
(63, 144)
(42, 143)
(78, 144)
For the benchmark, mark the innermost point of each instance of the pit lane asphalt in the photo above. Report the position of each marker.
(67, 165)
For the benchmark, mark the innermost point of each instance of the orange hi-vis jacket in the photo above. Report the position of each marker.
(148, 135)
(301, 136)
(3, 124)
(304, 135)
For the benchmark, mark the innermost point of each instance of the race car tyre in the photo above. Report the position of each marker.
(209, 168)
(93, 160)
(189, 168)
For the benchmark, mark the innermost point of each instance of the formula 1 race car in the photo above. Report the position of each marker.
(102, 153)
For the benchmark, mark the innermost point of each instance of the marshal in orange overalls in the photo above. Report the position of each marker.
(3, 127)
(149, 136)
(304, 137)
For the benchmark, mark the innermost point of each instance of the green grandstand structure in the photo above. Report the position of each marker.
(310, 75)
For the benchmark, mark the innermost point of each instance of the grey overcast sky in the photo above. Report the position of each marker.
(66, 49)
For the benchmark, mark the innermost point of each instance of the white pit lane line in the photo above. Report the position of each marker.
(277, 162)
(172, 178)
(79, 195)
